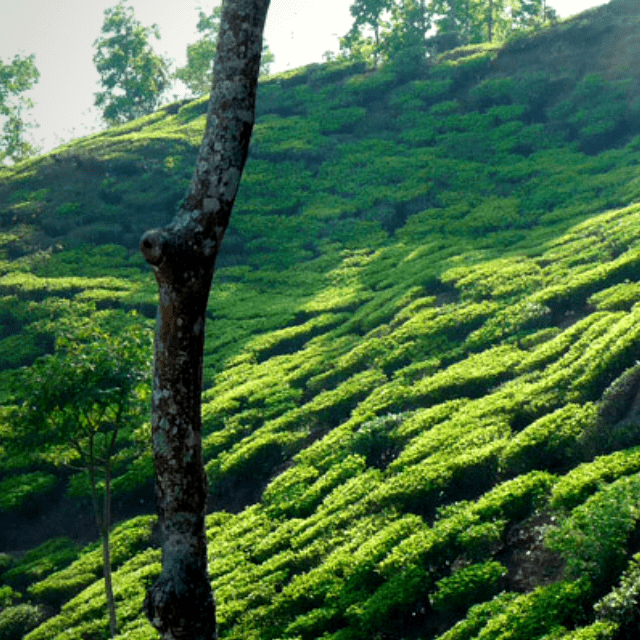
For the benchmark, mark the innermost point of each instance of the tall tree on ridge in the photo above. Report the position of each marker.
(132, 75)
(16, 77)
(197, 74)
(406, 42)
(182, 255)
(368, 13)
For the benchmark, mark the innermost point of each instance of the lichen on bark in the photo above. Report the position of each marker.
(182, 255)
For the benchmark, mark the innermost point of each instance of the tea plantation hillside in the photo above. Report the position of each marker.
(422, 403)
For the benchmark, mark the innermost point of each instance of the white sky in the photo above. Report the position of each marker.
(61, 34)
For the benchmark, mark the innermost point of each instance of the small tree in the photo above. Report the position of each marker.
(16, 77)
(366, 13)
(78, 407)
(406, 40)
(132, 75)
(197, 74)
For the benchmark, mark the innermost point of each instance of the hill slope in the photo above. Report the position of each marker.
(421, 406)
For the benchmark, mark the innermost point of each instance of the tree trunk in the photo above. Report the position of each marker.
(103, 523)
(182, 255)
(490, 21)
(106, 549)
(376, 32)
(108, 587)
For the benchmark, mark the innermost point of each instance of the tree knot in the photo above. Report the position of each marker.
(153, 246)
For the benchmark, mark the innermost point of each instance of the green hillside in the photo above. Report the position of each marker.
(422, 380)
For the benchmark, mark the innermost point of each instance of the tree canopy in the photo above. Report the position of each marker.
(16, 77)
(133, 76)
(197, 74)
(402, 29)
(78, 407)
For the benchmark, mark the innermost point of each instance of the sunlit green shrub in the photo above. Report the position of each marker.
(516, 319)
(478, 616)
(20, 350)
(127, 539)
(283, 494)
(367, 87)
(341, 119)
(57, 589)
(479, 541)
(620, 605)
(7, 595)
(17, 621)
(375, 439)
(584, 480)
(14, 491)
(467, 586)
(274, 136)
(596, 108)
(422, 487)
(570, 343)
(36, 564)
(502, 278)
(516, 499)
(6, 562)
(617, 402)
(593, 538)
(619, 297)
(253, 457)
(316, 621)
(550, 442)
(351, 467)
(493, 91)
(468, 428)
(596, 631)
(300, 490)
(67, 209)
(533, 614)
(400, 596)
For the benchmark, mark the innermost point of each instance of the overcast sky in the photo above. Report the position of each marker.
(61, 34)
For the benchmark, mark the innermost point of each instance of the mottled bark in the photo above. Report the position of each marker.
(180, 603)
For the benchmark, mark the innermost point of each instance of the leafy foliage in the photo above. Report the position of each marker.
(132, 75)
(97, 379)
(464, 587)
(16, 77)
(42, 561)
(197, 74)
(15, 490)
(16, 621)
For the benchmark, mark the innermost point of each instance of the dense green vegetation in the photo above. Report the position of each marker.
(420, 415)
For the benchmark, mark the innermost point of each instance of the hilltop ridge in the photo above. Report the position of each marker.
(104, 189)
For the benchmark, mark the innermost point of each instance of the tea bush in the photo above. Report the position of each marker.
(36, 564)
(594, 536)
(14, 491)
(550, 442)
(620, 605)
(478, 616)
(467, 586)
(584, 480)
(596, 631)
(17, 621)
(534, 614)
